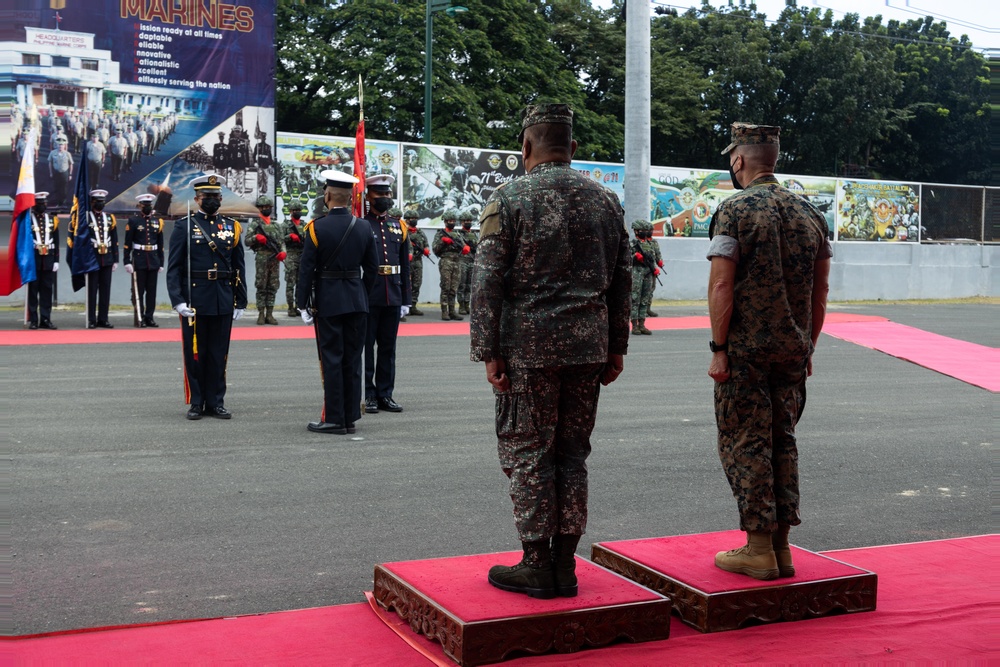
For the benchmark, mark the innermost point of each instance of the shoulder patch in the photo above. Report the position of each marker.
(312, 232)
(489, 221)
(237, 230)
(55, 222)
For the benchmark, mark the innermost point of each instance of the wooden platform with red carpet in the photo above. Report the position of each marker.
(937, 603)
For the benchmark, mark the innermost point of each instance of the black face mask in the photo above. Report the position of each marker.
(296, 215)
(210, 206)
(97, 206)
(266, 211)
(466, 226)
(449, 225)
(146, 209)
(382, 204)
(40, 207)
(732, 177)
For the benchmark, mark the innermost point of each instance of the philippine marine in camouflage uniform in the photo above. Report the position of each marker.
(265, 239)
(449, 245)
(418, 250)
(659, 265)
(550, 307)
(767, 301)
(465, 275)
(645, 268)
(294, 233)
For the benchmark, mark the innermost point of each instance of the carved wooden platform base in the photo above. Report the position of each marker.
(709, 599)
(450, 601)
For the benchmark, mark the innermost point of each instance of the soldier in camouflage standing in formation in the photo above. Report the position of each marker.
(294, 233)
(265, 239)
(465, 276)
(418, 250)
(550, 308)
(767, 301)
(450, 245)
(646, 265)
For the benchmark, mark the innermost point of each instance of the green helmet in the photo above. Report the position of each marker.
(295, 204)
(466, 216)
(264, 200)
(410, 215)
(394, 212)
(450, 214)
(640, 226)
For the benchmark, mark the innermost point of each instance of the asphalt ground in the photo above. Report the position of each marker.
(124, 512)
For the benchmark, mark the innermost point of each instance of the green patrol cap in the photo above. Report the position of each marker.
(536, 114)
(745, 134)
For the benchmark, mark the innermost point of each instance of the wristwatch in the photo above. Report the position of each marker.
(724, 347)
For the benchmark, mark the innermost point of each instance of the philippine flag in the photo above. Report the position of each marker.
(20, 259)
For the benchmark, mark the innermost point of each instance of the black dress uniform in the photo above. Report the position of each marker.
(391, 290)
(143, 249)
(104, 238)
(45, 231)
(339, 292)
(214, 288)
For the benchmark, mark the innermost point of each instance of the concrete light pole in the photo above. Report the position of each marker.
(637, 114)
(433, 6)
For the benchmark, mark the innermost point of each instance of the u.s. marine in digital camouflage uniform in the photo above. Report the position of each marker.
(550, 307)
(645, 260)
(418, 250)
(767, 301)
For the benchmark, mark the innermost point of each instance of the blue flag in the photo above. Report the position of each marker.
(80, 253)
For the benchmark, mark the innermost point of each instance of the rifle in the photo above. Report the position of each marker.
(269, 244)
(647, 261)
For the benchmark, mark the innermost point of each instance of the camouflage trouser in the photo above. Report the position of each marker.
(291, 275)
(465, 280)
(266, 280)
(416, 279)
(642, 292)
(450, 268)
(543, 426)
(756, 412)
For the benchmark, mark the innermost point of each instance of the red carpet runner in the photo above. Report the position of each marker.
(937, 602)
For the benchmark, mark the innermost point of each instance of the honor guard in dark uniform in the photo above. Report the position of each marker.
(336, 274)
(143, 256)
(205, 280)
(104, 238)
(45, 232)
(389, 298)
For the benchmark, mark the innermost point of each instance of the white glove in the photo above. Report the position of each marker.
(183, 310)
(404, 311)
(55, 267)
(307, 317)
(160, 270)
(238, 313)
(114, 267)
(129, 269)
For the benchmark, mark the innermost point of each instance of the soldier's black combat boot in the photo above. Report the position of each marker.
(463, 307)
(452, 315)
(269, 316)
(642, 328)
(416, 312)
(532, 576)
(782, 552)
(564, 564)
(444, 312)
(260, 316)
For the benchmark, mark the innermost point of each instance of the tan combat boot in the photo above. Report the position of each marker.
(782, 552)
(635, 328)
(452, 315)
(269, 316)
(642, 328)
(444, 312)
(260, 316)
(755, 559)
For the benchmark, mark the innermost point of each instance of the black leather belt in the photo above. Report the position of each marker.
(211, 274)
(341, 275)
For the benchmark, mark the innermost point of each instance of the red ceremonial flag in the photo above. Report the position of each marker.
(19, 264)
(358, 200)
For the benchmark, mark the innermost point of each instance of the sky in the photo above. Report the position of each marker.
(979, 19)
